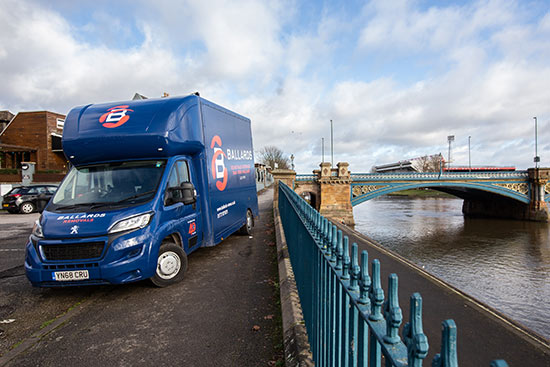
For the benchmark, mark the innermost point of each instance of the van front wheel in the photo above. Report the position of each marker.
(171, 265)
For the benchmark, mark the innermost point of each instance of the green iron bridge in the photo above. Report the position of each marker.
(516, 194)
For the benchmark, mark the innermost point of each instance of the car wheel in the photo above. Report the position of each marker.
(26, 208)
(246, 229)
(171, 265)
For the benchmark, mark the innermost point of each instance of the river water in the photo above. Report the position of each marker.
(503, 263)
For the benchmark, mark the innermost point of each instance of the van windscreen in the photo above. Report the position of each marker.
(123, 183)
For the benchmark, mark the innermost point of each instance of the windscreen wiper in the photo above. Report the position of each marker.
(74, 206)
(134, 197)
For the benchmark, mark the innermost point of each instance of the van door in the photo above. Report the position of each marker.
(186, 218)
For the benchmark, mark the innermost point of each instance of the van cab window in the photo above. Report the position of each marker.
(178, 175)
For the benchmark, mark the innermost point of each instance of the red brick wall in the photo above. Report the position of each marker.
(54, 160)
(4, 177)
(33, 129)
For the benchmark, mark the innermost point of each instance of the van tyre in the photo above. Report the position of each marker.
(27, 207)
(246, 229)
(171, 264)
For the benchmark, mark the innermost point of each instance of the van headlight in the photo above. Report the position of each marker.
(37, 229)
(138, 221)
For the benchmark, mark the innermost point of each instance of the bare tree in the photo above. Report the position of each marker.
(271, 155)
(428, 163)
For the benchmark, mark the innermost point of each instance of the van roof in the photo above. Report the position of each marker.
(151, 128)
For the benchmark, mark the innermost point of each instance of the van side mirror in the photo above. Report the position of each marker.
(188, 193)
(185, 194)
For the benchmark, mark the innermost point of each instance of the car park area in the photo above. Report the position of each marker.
(27, 199)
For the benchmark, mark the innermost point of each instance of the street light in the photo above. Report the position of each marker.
(323, 150)
(292, 161)
(450, 139)
(469, 154)
(331, 146)
(537, 158)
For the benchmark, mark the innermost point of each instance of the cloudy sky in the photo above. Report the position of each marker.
(396, 77)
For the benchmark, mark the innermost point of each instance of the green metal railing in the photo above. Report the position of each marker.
(347, 320)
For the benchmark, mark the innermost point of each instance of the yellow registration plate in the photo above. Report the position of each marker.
(64, 276)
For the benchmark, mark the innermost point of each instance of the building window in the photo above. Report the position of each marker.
(56, 143)
(60, 123)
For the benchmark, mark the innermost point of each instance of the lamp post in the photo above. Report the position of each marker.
(323, 150)
(450, 139)
(292, 161)
(331, 146)
(469, 154)
(537, 158)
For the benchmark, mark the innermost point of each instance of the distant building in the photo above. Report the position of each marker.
(33, 137)
(420, 164)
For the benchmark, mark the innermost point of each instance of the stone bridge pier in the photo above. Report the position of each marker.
(328, 191)
(498, 207)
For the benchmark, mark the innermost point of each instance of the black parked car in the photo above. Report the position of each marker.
(27, 199)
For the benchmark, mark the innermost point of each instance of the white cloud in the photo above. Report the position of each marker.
(487, 72)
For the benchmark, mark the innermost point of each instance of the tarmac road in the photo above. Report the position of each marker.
(225, 312)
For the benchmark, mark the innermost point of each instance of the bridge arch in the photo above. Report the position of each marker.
(464, 190)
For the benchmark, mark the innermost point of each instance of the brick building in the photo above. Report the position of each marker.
(33, 137)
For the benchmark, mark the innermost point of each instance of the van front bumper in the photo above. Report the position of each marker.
(123, 258)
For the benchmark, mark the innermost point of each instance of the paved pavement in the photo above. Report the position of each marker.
(482, 335)
(225, 312)
(14, 231)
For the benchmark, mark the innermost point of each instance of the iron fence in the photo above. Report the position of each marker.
(347, 320)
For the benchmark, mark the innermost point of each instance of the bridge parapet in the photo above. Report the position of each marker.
(521, 175)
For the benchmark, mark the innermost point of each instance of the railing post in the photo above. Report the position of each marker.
(377, 300)
(448, 356)
(345, 301)
(415, 339)
(392, 312)
(334, 285)
(363, 345)
(354, 318)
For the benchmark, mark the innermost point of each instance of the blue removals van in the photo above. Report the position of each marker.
(152, 181)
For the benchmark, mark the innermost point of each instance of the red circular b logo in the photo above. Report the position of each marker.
(115, 116)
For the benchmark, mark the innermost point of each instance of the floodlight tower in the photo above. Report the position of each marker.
(450, 139)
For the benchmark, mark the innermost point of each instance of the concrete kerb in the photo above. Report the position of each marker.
(297, 349)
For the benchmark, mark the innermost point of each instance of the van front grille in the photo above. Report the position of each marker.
(73, 251)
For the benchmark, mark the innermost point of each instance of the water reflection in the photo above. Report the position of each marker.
(505, 264)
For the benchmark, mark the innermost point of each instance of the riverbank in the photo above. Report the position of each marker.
(423, 193)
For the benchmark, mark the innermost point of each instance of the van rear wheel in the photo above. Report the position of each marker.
(246, 229)
(171, 265)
